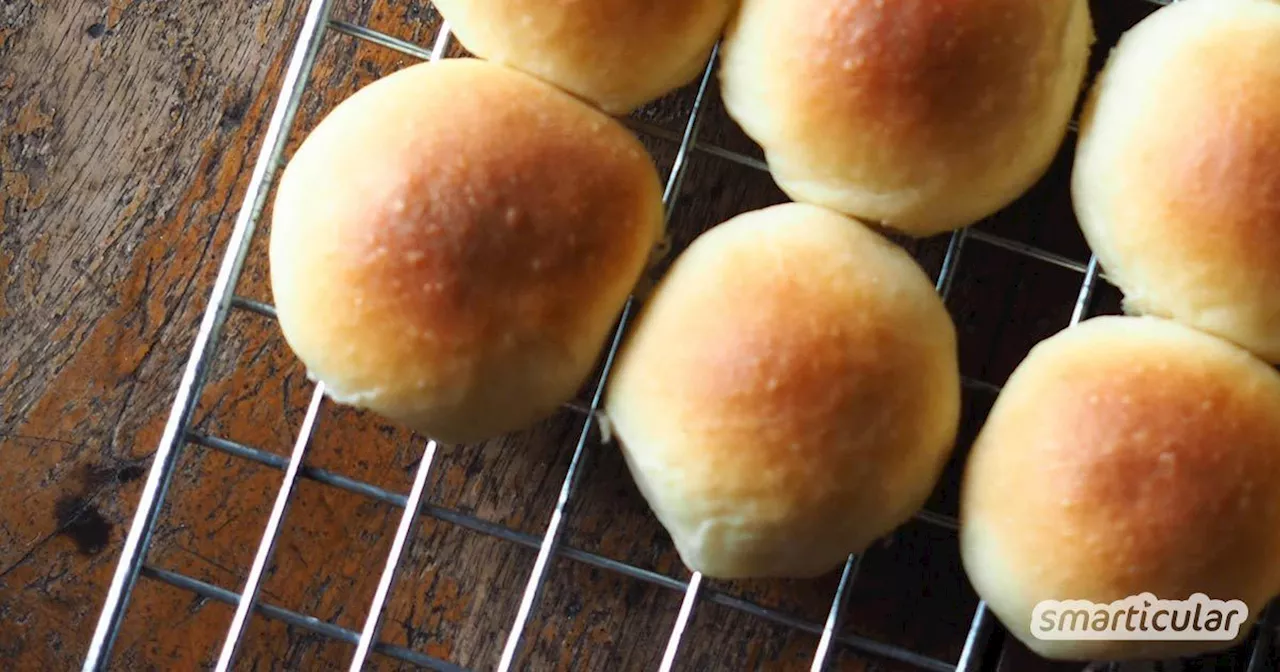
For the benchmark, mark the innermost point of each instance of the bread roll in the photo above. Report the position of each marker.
(789, 394)
(619, 54)
(1126, 455)
(452, 245)
(923, 116)
(1177, 176)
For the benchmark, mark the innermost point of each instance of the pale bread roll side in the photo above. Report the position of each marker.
(618, 54)
(1177, 174)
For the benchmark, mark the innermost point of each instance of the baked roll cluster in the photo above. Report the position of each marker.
(452, 246)
(1140, 455)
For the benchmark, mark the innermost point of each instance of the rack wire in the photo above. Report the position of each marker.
(978, 649)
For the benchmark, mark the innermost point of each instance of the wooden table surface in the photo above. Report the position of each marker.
(127, 134)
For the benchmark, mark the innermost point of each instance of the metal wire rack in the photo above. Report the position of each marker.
(978, 648)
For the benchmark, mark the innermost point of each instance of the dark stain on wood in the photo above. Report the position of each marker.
(81, 521)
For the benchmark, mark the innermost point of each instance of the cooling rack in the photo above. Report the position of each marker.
(981, 647)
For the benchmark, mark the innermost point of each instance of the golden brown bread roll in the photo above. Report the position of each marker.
(452, 245)
(619, 54)
(789, 393)
(923, 116)
(1177, 176)
(1126, 455)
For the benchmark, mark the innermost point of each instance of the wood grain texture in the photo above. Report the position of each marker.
(127, 133)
